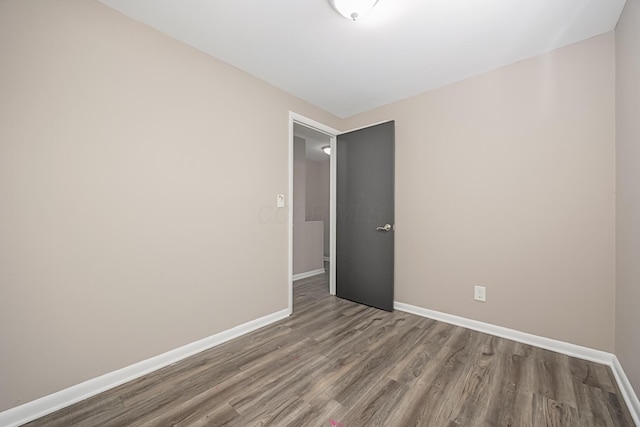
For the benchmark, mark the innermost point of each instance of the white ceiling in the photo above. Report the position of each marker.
(404, 47)
(314, 141)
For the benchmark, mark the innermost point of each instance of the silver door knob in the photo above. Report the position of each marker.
(386, 227)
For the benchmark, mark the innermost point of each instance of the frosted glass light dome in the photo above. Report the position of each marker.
(353, 9)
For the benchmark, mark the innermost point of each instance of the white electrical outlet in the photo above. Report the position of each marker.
(480, 293)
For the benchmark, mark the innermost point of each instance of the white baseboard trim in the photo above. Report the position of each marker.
(630, 396)
(523, 337)
(586, 353)
(45, 405)
(307, 274)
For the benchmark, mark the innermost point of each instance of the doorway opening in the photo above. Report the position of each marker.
(311, 201)
(366, 223)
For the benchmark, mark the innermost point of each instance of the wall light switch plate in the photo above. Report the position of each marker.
(480, 293)
(280, 200)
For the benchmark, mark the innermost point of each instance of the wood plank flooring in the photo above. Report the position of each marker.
(335, 363)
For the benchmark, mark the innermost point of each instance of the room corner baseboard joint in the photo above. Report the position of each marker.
(573, 350)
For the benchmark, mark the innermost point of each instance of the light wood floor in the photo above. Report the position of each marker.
(336, 363)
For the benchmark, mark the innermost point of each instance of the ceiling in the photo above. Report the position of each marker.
(313, 142)
(403, 48)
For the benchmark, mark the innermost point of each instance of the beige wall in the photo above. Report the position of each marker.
(628, 191)
(128, 215)
(299, 180)
(307, 247)
(307, 235)
(129, 205)
(318, 197)
(507, 180)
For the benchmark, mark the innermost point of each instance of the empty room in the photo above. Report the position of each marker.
(319, 213)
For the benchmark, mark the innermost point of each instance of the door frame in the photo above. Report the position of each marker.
(332, 134)
(295, 118)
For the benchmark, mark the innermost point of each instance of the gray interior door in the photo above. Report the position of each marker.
(365, 215)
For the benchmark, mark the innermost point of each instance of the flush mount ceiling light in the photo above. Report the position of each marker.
(353, 9)
(327, 150)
